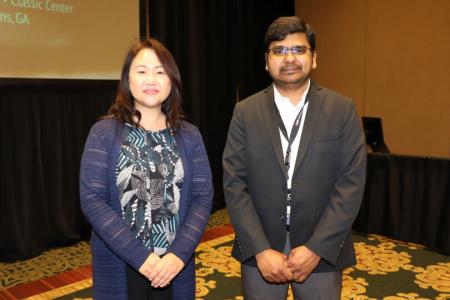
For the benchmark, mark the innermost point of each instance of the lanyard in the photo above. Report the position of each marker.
(287, 159)
(290, 139)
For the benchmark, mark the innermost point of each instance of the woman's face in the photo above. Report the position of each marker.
(149, 83)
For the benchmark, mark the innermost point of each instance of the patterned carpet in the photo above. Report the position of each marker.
(386, 269)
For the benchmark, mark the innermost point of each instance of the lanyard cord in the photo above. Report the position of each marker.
(290, 139)
(287, 158)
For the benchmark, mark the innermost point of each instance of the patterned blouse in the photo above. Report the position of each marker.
(149, 175)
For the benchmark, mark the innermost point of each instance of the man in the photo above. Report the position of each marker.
(294, 173)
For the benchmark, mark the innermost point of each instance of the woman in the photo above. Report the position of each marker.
(145, 184)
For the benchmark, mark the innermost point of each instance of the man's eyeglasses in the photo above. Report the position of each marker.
(283, 51)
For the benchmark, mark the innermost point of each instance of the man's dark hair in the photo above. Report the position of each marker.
(283, 26)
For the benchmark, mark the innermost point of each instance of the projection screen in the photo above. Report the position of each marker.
(66, 39)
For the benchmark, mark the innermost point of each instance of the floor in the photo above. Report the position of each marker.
(61, 267)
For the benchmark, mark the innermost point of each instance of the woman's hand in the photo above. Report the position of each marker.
(168, 267)
(149, 267)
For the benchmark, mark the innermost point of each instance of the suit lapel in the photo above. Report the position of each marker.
(312, 116)
(268, 112)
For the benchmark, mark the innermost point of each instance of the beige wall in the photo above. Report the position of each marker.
(393, 58)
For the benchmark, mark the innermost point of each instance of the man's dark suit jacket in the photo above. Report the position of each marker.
(327, 185)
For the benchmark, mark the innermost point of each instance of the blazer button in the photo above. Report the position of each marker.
(283, 219)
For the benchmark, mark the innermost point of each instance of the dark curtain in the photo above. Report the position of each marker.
(219, 48)
(407, 198)
(43, 129)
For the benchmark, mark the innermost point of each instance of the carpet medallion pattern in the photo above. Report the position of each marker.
(386, 269)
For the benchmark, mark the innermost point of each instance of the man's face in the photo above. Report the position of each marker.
(289, 70)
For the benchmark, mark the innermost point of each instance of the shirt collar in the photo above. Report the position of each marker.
(284, 101)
